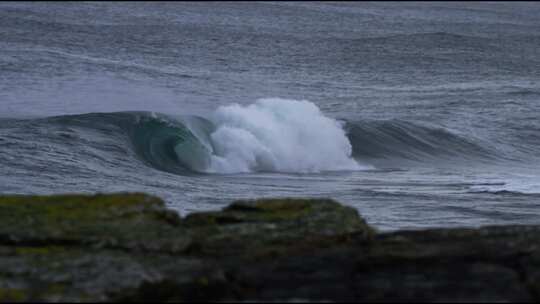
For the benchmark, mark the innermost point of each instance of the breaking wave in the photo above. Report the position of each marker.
(272, 135)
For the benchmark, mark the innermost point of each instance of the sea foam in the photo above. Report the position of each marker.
(278, 135)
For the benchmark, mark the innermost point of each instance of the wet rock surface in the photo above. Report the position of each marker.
(129, 247)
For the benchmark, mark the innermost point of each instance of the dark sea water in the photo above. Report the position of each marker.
(417, 114)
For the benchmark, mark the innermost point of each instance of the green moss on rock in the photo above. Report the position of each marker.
(272, 226)
(118, 220)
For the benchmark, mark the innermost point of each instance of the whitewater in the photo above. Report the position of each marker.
(278, 135)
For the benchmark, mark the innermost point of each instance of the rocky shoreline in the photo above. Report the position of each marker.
(129, 247)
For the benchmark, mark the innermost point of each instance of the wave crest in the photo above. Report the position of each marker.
(281, 135)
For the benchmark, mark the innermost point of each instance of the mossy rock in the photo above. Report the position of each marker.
(129, 247)
(260, 227)
(129, 221)
(74, 274)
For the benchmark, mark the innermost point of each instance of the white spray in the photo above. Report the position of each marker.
(278, 135)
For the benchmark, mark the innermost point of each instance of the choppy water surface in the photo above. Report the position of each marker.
(417, 114)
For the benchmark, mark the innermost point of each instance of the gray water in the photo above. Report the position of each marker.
(438, 103)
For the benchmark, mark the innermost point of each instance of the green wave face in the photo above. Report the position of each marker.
(167, 144)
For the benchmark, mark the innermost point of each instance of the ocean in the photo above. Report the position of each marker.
(416, 114)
